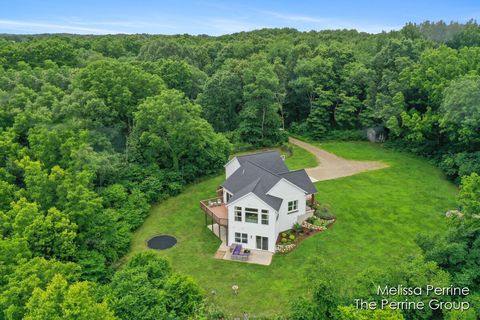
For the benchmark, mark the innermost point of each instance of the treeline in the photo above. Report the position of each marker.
(93, 129)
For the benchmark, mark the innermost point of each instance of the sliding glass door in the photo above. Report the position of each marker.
(262, 243)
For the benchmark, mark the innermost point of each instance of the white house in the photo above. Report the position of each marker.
(259, 199)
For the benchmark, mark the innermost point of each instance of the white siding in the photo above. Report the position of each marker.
(288, 192)
(252, 229)
(231, 167)
(225, 191)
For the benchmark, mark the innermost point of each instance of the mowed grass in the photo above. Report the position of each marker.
(379, 213)
(300, 159)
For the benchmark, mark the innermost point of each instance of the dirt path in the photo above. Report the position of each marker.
(331, 166)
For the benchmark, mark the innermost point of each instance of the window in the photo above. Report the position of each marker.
(229, 195)
(238, 214)
(251, 215)
(292, 206)
(262, 243)
(265, 217)
(241, 237)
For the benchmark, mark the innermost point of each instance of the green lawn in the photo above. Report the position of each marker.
(300, 159)
(379, 213)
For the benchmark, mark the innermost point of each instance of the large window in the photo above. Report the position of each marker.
(238, 214)
(229, 195)
(251, 215)
(241, 237)
(264, 216)
(292, 206)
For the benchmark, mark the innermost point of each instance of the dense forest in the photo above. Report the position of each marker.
(94, 129)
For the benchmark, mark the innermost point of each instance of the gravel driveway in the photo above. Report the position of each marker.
(331, 166)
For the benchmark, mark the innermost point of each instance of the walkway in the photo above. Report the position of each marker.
(331, 166)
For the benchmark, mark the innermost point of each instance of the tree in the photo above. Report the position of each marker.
(437, 67)
(460, 112)
(120, 85)
(181, 76)
(469, 196)
(416, 272)
(352, 313)
(133, 207)
(146, 289)
(319, 119)
(39, 186)
(326, 294)
(52, 235)
(13, 252)
(20, 284)
(260, 122)
(62, 301)
(310, 74)
(458, 250)
(222, 100)
(183, 296)
(20, 216)
(345, 113)
(172, 132)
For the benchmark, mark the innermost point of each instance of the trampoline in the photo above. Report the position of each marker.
(161, 242)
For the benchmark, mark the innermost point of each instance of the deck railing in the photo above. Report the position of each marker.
(206, 206)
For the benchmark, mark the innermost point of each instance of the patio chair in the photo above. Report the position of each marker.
(237, 250)
(219, 202)
(232, 246)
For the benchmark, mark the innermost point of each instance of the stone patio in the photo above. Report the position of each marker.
(261, 257)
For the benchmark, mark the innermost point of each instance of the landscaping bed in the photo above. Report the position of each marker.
(320, 221)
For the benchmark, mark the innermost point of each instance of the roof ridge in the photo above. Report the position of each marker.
(262, 167)
(252, 154)
(290, 171)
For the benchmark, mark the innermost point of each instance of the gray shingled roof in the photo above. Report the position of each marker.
(300, 179)
(269, 160)
(259, 172)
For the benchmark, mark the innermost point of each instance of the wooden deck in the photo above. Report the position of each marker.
(218, 212)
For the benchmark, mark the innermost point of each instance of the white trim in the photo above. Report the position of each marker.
(250, 193)
(226, 164)
(225, 189)
(290, 183)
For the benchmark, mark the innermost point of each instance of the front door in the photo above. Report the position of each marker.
(262, 243)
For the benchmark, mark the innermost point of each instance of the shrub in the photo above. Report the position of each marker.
(287, 150)
(312, 219)
(325, 215)
(292, 237)
(284, 240)
(298, 227)
(323, 212)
